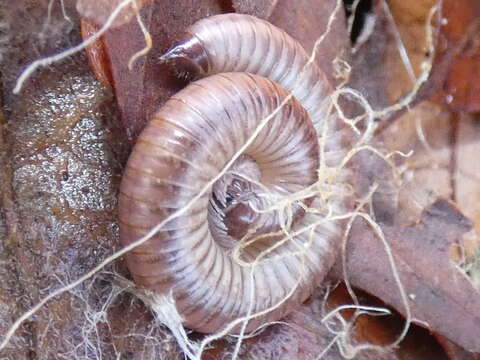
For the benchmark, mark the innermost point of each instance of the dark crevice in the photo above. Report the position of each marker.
(364, 7)
(226, 6)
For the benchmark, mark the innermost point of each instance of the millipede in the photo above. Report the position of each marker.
(245, 70)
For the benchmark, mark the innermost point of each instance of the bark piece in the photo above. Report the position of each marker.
(460, 30)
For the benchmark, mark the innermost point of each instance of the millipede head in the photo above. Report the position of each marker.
(187, 58)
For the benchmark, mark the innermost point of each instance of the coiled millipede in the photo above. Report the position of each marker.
(190, 140)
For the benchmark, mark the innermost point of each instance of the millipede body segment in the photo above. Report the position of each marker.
(244, 43)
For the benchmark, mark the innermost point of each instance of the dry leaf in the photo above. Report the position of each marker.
(440, 296)
(98, 11)
(461, 31)
(259, 8)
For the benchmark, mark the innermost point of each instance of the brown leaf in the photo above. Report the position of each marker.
(306, 21)
(384, 330)
(142, 89)
(466, 175)
(427, 172)
(259, 8)
(98, 11)
(454, 351)
(456, 59)
(461, 30)
(440, 297)
(456, 53)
